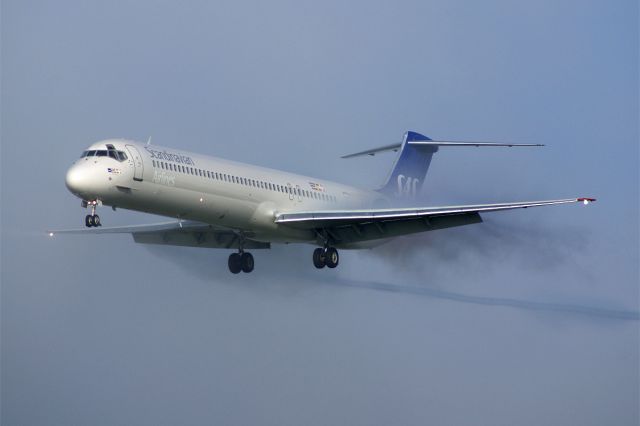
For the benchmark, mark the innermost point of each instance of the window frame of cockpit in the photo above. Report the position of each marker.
(115, 154)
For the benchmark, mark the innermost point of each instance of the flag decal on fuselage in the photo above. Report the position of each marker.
(316, 186)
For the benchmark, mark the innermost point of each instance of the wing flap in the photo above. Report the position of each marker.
(208, 239)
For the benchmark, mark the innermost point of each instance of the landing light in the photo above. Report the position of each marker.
(51, 234)
(585, 202)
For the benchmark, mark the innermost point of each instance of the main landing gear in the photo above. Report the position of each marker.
(241, 261)
(327, 256)
(92, 219)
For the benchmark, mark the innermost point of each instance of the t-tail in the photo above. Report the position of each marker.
(410, 169)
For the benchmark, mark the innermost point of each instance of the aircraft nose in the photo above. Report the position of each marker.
(76, 179)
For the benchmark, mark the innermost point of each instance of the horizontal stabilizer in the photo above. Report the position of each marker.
(393, 147)
(396, 146)
(471, 143)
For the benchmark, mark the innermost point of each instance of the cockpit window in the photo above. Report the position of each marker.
(116, 155)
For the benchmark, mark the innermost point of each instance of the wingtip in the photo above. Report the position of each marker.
(586, 200)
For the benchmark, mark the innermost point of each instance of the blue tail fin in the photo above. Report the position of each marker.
(410, 169)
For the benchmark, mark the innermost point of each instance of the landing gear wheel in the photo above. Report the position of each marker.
(319, 258)
(96, 220)
(246, 262)
(331, 257)
(88, 221)
(234, 263)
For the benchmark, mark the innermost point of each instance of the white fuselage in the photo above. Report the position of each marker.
(219, 192)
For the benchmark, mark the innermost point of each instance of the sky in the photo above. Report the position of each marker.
(529, 318)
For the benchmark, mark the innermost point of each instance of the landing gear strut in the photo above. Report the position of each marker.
(92, 219)
(242, 261)
(327, 256)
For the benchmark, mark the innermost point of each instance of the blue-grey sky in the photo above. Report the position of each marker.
(528, 318)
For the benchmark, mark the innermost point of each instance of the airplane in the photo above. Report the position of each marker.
(218, 203)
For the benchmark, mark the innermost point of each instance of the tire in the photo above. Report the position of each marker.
(88, 221)
(234, 263)
(331, 257)
(96, 221)
(246, 262)
(318, 258)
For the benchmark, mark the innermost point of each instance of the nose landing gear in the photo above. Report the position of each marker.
(92, 219)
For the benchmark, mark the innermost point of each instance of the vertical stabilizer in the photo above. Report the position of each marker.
(411, 166)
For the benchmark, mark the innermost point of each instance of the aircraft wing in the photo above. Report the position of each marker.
(182, 233)
(350, 226)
